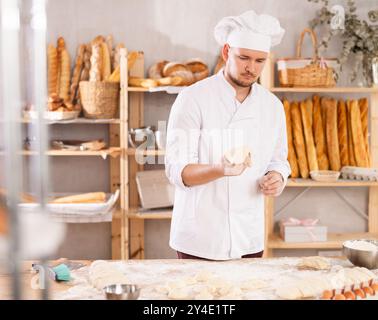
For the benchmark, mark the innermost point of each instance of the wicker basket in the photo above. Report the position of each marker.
(100, 100)
(306, 72)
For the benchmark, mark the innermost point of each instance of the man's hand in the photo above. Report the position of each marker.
(234, 169)
(272, 184)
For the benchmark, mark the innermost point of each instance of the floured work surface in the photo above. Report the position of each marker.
(205, 280)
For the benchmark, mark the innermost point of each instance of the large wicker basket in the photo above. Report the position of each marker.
(100, 100)
(306, 72)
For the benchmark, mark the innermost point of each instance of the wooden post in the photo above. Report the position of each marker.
(373, 191)
(269, 225)
(136, 120)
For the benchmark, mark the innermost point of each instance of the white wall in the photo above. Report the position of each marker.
(176, 30)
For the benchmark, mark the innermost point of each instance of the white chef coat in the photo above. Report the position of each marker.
(223, 219)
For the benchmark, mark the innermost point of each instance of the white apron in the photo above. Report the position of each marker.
(223, 219)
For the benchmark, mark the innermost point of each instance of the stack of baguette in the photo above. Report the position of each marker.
(96, 61)
(165, 73)
(326, 134)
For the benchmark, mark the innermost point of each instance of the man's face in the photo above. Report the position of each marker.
(243, 66)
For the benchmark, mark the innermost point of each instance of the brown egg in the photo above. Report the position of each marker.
(327, 295)
(349, 295)
(339, 296)
(374, 286)
(368, 291)
(360, 293)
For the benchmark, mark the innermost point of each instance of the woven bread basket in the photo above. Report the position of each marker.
(100, 100)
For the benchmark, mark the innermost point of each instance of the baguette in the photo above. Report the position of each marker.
(364, 109)
(292, 158)
(79, 65)
(331, 129)
(342, 133)
(92, 197)
(319, 135)
(309, 138)
(299, 142)
(352, 158)
(106, 68)
(61, 45)
(96, 60)
(65, 76)
(358, 136)
(52, 65)
(109, 43)
(132, 57)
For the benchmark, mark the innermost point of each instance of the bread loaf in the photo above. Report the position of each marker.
(292, 158)
(52, 66)
(156, 70)
(142, 82)
(96, 60)
(65, 76)
(109, 43)
(106, 67)
(319, 136)
(199, 69)
(358, 136)
(342, 129)
(352, 159)
(79, 65)
(299, 142)
(92, 197)
(220, 64)
(309, 139)
(132, 57)
(332, 139)
(117, 55)
(174, 69)
(61, 45)
(364, 109)
(310, 110)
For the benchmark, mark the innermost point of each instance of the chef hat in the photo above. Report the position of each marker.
(250, 31)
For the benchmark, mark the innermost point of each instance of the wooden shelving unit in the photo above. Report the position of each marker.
(274, 241)
(113, 152)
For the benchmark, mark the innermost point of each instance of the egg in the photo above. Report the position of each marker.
(360, 293)
(374, 286)
(349, 295)
(339, 296)
(368, 291)
(327, 295)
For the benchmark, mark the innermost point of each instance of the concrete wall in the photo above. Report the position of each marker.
(176, 30)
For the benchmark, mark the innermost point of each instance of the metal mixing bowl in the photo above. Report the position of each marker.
(122, 292)
(362, 258)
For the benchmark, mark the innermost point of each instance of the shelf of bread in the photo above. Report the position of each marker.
(335, 241)
(156, 152)
(291, 182)
(326, 134)
(326, 90)
(113, 152)
(135, 213)
(76, 121)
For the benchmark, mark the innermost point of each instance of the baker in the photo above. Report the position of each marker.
(218, 209)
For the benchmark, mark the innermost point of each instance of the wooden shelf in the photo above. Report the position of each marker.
(167, 89)
(340, 183)
(327, 90)
(77, 121)
(335, 241)
(114, 152)
(153, 214)
(132, 151)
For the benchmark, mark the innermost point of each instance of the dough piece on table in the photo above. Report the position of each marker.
(253, 284)
(239, 155)
(289, 293)
(292, 158)
(235, 293)
(203, 275)
(314, 263)
(179, 294)
(299, 141)
(319, 135)
(204, 294)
